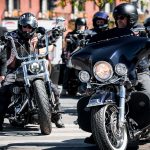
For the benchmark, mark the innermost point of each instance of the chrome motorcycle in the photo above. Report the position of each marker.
(32, 99)
(119, 114)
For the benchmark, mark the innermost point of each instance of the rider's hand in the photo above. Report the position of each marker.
(2, 78)
(34, 41)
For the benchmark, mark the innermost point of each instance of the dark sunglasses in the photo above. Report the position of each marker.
(120, 17)
(27, 26)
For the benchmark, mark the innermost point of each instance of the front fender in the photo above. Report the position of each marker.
(102, 98)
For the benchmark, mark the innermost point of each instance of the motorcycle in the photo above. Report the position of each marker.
(32, 99)
(119, 113)
(74, 85)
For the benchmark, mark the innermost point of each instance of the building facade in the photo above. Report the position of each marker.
(45, 10)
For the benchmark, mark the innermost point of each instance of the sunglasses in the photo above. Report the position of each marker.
(27, 26)
(120, 17)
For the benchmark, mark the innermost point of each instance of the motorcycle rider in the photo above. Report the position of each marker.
(147, 26)
(72, 42)
(26, 35)
(100, 22)
(126, 17)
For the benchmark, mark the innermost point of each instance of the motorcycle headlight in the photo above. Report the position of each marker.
(84, 76)
(102, 71)
(121, 69)
(35, 67)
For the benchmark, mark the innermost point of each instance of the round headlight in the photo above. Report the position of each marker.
(84, 76)
(35, 67)
(102, 71)
(121, 69)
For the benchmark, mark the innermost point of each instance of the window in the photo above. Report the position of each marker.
(51, 4)
(7, 4)
(40, 5)
(16, 4)
(30, 4)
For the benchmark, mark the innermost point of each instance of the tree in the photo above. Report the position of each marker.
(99, 3)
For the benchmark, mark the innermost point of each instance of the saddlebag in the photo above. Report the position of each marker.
(139, 108)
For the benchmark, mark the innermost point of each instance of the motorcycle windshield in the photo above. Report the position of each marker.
(125, 49)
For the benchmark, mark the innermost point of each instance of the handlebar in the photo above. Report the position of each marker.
(14, 49)
(54, 32)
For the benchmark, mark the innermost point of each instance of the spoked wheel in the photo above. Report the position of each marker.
(107, 134)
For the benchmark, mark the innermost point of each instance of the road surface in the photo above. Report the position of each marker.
(68, 138)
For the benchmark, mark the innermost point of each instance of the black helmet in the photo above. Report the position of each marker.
(80, 21)
(147, 22)
(100, 15)
(128, 10)
(27, 19)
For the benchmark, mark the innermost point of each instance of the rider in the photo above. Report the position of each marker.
(126, 17)
(147, 26)
(72, 42)
(100, 22)
(26, 36)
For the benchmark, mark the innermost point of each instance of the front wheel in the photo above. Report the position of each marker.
(44, 110)
(104, 124)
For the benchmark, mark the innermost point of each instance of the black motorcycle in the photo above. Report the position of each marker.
(32, 99)
(74, 86)
(119, 113)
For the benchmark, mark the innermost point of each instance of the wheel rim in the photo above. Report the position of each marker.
(115, 135)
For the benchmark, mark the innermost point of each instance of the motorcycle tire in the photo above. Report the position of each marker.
(104, 125)
(42, 100)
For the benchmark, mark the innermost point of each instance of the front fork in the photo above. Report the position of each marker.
(122, 94)
(27, 83)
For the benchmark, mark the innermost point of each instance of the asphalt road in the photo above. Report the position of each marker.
(68, 138)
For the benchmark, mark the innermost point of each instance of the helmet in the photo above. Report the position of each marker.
(80, 21)
(27, 19)
(100, 15)
(128, 10)
(147, 22)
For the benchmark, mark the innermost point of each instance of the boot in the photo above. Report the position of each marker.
(64, 92)
(1, 127)
(1, 122)
(59, 123)
(57, 119)
(89, 140)
(56, 116)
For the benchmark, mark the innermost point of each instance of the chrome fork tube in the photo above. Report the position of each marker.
(122, 105)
